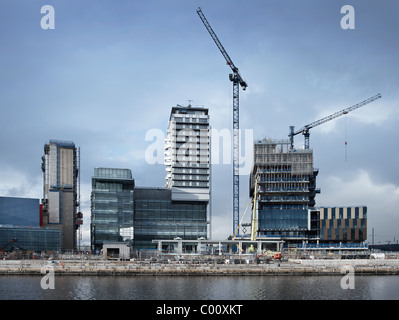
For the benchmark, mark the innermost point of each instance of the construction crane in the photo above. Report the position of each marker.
(305, 129)
(238, 81)
(254, 220)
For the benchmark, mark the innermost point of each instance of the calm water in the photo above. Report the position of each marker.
(199, 288)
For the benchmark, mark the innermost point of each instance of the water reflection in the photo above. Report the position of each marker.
(200, 288)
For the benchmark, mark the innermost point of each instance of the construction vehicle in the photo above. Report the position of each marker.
(305, 130)
(238, 81)
(268, 256)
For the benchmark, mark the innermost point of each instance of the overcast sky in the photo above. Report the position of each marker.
(110, 71)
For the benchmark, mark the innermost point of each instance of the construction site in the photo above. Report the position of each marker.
(190, 264)
(283, 190)
(280, 224)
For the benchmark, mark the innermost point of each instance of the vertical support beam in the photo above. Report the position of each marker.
(159, 246)
(307, 135)
(292, 137)
(259, 247)
(180, 247)
(236, 152)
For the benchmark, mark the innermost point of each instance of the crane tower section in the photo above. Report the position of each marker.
(238, 81)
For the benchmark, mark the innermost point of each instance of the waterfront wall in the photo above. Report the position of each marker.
(130, 268)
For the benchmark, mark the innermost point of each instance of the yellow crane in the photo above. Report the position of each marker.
(254, 220)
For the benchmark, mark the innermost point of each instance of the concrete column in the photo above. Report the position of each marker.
(160, 246)
(259, 248)
(180, 247)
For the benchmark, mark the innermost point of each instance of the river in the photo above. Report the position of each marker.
(287, 287)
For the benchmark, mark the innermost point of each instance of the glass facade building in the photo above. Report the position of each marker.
(23, 212)
(157, 217)
(34, 239)
(111, 206)
(270, 219)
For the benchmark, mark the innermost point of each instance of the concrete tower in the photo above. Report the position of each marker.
(60, 172)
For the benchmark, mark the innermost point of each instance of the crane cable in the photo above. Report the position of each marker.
(346, 139)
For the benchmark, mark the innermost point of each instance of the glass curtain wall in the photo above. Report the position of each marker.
(34, 239)
(111, 206)
(156, 216)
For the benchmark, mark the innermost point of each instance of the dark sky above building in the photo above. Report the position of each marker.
(110, 72)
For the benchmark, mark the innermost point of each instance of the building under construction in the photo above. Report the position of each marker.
(283, 187)
(60, 166)
(285, 182)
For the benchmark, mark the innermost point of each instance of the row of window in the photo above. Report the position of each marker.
(191, 119)
(339, 213)
(343, 223)
(343, 234)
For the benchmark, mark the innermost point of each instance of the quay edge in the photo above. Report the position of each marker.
(117, 268)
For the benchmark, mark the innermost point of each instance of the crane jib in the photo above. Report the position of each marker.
(222, 50)
(337, 114)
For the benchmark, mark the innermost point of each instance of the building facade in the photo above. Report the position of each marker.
(30, 238)
(111, 207)
(187, 153)
(158, 217)
(60, 174)
(21, 226)
(285, 182)
(343, 224)
(23, 212)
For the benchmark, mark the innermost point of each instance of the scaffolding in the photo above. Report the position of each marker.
(286, 188)
(281, 169)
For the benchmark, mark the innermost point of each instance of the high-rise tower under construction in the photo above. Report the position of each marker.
(286, 188)
(60, 193)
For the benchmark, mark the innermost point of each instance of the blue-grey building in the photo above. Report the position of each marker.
(30, 238)
(23, 212)
(111, 207)
(158, 217)
(20, 226)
